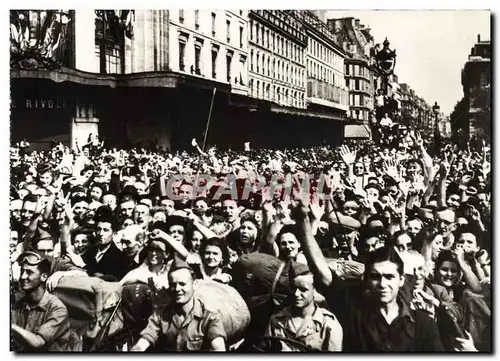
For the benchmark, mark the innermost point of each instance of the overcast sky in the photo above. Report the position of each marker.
(432, 46)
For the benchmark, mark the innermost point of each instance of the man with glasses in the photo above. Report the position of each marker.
(39, 319)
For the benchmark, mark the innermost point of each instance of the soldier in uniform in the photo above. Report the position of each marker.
(186, 324)
(304, 321)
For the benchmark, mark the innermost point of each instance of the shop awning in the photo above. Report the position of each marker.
(357, 131)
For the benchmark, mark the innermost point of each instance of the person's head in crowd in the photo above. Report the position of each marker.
(214, 254)
(22, 193)
(446, 222)
(288, 243)
(453, 201)
(132, 240)
(419, 268)
(29, 208)
(483, 201)
(342, 168)
(402, 241)
(186, 193)
(13, 240)
(462, 221)
(194, 240)
(384, 198)
(126, 207)
(87, 171)
(141, 188)
(78, 191)
(258, 215)
(230, 209)
(109, 200)
(200, 206)
(248, 232)
(413, 168)
(432, 243)
(414, 226)
(447, 271)
(359, 169)
(384, 275)
(44, 245)
(465, 237)
(159, 214)
(35, 269)
(141, 215)
(105, 227)
(81, 239)
(377, 222)
(15, 209)
(372, 191)
(302, 282)
(176, 227)
(44, 175)
(125, 222)
(80, 207)
(350, 208)
(370, 240)
(96, 192)
(169, 205)
(181, 282)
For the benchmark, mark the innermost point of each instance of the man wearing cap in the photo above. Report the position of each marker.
(186, 324)
(304, 321)
(39, 319)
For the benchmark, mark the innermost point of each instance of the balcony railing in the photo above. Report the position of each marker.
(322, 90)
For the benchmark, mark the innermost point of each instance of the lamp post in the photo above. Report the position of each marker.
(437, 135)
(385, 61)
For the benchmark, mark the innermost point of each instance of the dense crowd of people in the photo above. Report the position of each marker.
(385, 247)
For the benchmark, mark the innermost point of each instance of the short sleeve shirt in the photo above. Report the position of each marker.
(201, 326)
(321, 331)
(48, 319)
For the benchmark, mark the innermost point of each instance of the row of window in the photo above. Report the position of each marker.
(283, 21)
(357, 70)
(276, 68)
(196, 16)
(278, 94)
(359, 114)
(360, 100)
(197, 67)
(328, 56)
(359, 84)
(265, 37)
(322, 90)
(319, 71)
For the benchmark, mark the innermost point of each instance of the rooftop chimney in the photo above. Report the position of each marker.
(478, 38)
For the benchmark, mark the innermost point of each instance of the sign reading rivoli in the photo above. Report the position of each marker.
(38, 104)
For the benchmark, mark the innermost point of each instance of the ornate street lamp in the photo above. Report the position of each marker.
(385, 60)
(37, 38)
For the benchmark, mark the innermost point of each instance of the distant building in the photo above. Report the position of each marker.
(476, 82)
(277, 58)
(326, 87)
(356, 40)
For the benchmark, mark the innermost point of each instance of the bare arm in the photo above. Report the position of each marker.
(141, 346)
(28, 338)
(218, 344)
(315, 259)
